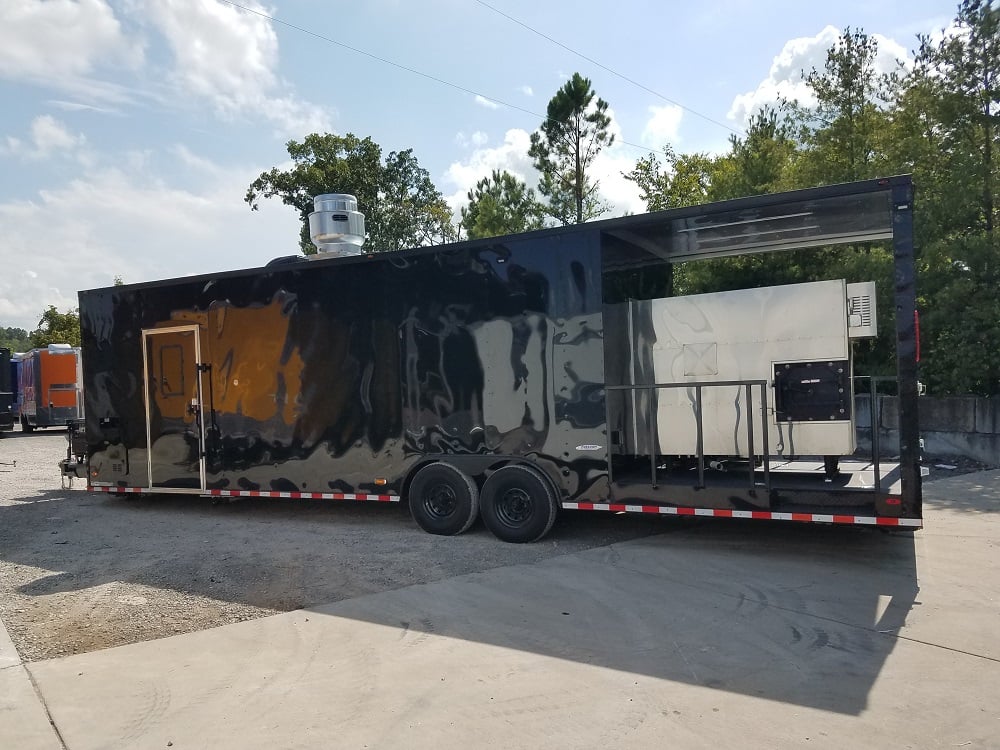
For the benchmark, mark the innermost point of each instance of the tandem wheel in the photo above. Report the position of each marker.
(443, 500)
(518, 504)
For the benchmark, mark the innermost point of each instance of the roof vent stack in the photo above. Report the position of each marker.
(336, 227)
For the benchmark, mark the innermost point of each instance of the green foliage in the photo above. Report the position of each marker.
(501, 204)
(15, 339)
(757, 162)
(957, 83)
(572, 135)
(55, 327)
(682, 180)
(841, 136)
(402, 207)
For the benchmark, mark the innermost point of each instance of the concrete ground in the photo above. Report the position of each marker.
(713, 634)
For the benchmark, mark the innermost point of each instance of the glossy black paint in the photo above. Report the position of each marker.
(329, 374)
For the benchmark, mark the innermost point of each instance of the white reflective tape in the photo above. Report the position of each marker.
(821, 518)
(742, 514)
(781, 516)
(864, 520)
(633, 508)
(704, 512)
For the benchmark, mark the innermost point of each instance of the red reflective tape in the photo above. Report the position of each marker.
(723, 513)
(762, 514)
(650, 508)
(844, 519)
(685, 511)
(887, 521)
(807, 517)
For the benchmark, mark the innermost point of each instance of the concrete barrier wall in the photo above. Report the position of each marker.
(953, 426)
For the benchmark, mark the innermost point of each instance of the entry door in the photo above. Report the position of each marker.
(174, 430)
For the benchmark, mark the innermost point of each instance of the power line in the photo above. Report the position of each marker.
(609, 70)
(408, 69)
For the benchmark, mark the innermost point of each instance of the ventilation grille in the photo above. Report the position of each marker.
(861, 319)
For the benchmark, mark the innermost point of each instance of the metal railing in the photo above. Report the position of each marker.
(699, 386)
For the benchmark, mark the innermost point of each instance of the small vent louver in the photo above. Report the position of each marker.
(861, 320)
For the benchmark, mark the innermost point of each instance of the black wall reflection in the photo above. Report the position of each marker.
(326, 374)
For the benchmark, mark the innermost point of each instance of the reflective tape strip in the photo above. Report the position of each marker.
(765, 515)
(259, 493)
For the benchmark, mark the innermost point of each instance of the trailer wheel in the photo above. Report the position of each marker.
(443, 500)
(518, 504)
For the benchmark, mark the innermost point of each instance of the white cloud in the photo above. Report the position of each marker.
(527, 91)
(621, 194)
(52, 40)
(663, 126)
(50, 135)
(228, 56)
(126, 221)
(785, 78)
(81, 107)
(47, 138)
(511, 155)
(482, 101)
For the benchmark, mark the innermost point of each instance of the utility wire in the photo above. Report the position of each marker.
(408, 69)
(609, 70)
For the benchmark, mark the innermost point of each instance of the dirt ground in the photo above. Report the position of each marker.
(83, 571)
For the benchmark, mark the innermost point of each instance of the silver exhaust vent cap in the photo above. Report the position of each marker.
(336, 227)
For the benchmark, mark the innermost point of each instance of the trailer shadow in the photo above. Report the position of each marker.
(804, 615)
(796, 613)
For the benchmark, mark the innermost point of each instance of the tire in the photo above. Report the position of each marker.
(518, 504)
(443, 500)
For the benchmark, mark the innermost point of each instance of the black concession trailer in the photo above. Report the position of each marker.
(516, 377)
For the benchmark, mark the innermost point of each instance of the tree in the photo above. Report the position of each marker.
(501, 204)
(15, 339)
(402, 207)
(573, 133)
(842, 134)
(683, 180)
(947, 130)
(757, 162)
(962, 75)
(55, 327)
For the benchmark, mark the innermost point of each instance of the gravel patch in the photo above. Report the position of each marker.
(83, 571)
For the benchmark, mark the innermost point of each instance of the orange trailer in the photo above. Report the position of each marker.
(48, 388)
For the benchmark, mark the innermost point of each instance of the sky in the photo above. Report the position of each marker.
(131, 129)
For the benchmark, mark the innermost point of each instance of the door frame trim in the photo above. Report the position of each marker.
(146, 333)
